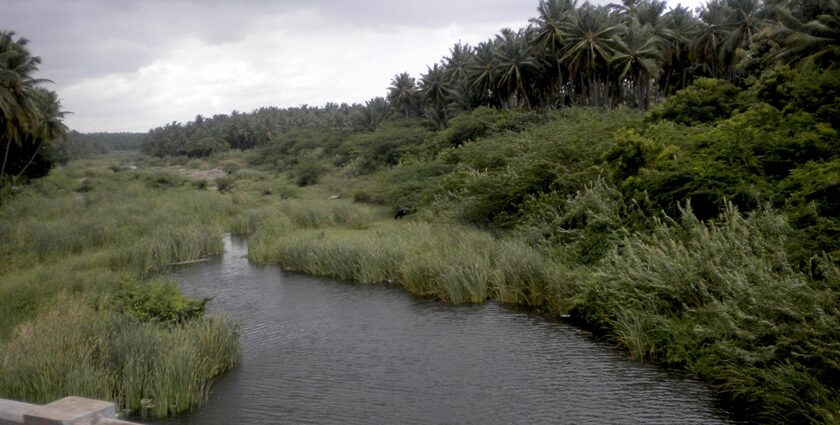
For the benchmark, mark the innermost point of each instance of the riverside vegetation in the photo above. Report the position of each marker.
(84, 311)
(702, 234)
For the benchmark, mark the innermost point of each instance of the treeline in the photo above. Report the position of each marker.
(81, 145)
(633, 54)
(204, 136)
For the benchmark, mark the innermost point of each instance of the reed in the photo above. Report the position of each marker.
(722, 300)
(452, 263)
(65, 254)
(143, 367)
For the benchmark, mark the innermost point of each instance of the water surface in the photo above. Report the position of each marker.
(318, 351)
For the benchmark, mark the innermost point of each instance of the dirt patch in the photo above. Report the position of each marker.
(201, 174)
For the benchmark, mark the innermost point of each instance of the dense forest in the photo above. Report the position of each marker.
(669, 179)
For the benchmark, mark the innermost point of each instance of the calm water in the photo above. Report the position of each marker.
(317, 351)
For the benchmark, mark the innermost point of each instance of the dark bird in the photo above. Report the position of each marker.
(404, 211)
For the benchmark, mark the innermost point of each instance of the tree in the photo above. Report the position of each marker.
(743, 20)
(591, 39)
(516, 67)
(818, 39)
(30, 116)
(483, 74)
(548, 38)
(402, 94)
(434, 91)
(637, 59)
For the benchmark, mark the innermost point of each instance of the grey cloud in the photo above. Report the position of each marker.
(89, 38)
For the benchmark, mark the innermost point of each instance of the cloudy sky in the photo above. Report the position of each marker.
(130, 65)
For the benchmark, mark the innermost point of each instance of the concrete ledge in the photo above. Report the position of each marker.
(70, 411)
(11, 412)
(67, 411)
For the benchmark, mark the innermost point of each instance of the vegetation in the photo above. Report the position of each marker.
(30, 115)
(83, 309)
(669, 180)
(85, 145)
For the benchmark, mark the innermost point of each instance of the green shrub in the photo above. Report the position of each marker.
(230, 167)
(705, 100)
(154, 301)
(485, 121)
(224, 184)
(308, 173)
(722, 300)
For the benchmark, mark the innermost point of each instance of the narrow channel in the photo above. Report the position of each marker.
(319, 351)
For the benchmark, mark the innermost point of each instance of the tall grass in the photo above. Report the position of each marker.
(722, 300)
(143, 367)
(66, 251)
(452, 263)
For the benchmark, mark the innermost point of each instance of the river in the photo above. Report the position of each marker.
(319, 351)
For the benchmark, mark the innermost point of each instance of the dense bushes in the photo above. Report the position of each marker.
(721, 300)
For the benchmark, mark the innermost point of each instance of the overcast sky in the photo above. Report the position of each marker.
(130, 65)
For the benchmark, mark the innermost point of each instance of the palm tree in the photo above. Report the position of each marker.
(818, 39)
(435, 93)
(707, 42)
(679, 26)
(483, 73)
(743, 20)
(19, 108)
(49, 127)
(457, 64)
(548, 37)
(638, 59)
(402, 94)
(516, 67)
(30, 116)
(591, 39)
(372, 114)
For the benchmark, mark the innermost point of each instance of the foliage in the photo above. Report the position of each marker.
(75, 145)
(705, 100)
(30, 115)
(154, 301)
(485, 121)
(722, 300)
(82, 310)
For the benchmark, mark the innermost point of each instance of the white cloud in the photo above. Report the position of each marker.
(285, 60)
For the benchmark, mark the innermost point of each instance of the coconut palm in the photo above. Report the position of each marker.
(548, 37)
(679, 26)
(818, 39)
(402, 94)
(517, 66)
(706, 44)
(29, 115)
(47, 128)
(743, 20)
(457, 64)
(591, 40)
(435, 93)
(483, 73)
(638, 59)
